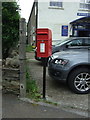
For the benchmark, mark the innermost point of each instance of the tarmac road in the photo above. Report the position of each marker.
(12, 107)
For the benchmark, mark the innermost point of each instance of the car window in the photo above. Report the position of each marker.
(75, 42)
(62, 42)
(87, 42)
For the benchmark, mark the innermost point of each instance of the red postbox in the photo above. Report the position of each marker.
(44, 42)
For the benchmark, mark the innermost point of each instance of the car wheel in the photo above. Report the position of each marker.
(79, 80)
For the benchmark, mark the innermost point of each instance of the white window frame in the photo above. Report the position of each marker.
(56, 3)
(85, 4)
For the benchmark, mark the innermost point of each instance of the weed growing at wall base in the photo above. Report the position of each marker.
(32, 90)
(29, 48)
(31, 87)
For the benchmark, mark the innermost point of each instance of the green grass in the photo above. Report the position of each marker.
(31, 87)
(29, 48)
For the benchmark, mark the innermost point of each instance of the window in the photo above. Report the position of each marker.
(75, 43)
(85, 4)
(56, 3)
(87, 42)
(79, 43)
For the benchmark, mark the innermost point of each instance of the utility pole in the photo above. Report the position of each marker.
(22, 57)
(0, 43)
(1, 60)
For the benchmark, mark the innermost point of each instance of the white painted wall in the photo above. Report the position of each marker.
(55, 18)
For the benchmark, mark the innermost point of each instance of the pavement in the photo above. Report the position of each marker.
(13, 107)
(56, 91)
(0, 104)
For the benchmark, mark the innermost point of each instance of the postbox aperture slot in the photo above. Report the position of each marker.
(42, 33)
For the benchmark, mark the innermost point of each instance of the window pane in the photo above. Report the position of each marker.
(87, 1)
(85, 5)
(56, 3)
(81, 5)
(87, 42)
(59, 4)
(88, 6)
(75, 43)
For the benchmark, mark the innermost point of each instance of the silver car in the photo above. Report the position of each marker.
(73, 67)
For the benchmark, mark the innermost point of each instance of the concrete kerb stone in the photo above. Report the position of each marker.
(66, 108)
(38, 103)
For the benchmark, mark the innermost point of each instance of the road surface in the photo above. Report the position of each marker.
(12, 107)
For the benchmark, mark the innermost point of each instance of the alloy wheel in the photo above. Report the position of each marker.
(82, 82)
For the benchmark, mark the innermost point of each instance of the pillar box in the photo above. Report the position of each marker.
(44, 42)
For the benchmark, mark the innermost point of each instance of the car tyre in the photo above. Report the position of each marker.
(79, 80)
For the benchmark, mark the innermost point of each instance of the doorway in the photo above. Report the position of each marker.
(83, 33)
(81, 27)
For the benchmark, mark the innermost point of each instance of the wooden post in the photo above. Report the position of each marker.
(22, 57)
(0, 60)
